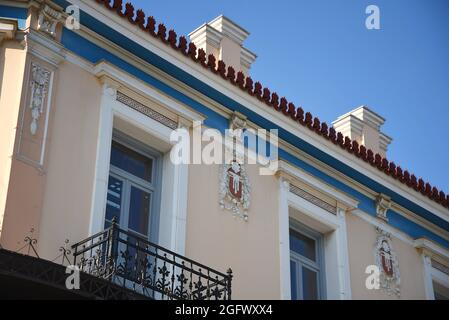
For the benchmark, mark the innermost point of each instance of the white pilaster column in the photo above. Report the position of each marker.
(343, 256)
(173, 216)
(284, 241)
(428, 284)
(101, 178)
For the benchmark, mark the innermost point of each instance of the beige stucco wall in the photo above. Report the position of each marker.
(12, 65)
(53, 199)
(57, 201)
(71, 160)
(217, 239)
(361, 242)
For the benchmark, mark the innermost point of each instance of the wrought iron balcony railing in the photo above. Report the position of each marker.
(128, 260)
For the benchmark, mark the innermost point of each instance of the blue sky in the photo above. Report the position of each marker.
(319, 55)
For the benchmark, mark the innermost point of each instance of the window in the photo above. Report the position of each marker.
(133, 188)
(440, 291)
(306, 263)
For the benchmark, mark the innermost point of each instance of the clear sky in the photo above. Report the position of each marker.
(319, 55)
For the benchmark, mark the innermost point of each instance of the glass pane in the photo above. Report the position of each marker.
(139, 211)
(309, 284)
(131, 161)
(302, 245)
(114, 199)
(440, 292)
(293, 280)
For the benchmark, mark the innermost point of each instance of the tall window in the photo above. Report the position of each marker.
(133, 188)
(306, 263)
(440, 291)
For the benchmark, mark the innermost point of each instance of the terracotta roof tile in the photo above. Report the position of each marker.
(271, 99)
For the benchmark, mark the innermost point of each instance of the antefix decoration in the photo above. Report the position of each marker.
(272, 99)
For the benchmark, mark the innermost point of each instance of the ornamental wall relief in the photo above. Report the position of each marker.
(47, 20)
(35, 113)
(387, 262)
(234, 183)
(383, 204)
(235, 189)
(39, 83)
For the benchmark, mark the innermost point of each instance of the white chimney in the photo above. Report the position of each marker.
(363, 125)
(224, 39)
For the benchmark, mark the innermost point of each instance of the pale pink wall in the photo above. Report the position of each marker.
(361, 242)
(71, 160)
(55, 199)
(13, 58)
(219, 240)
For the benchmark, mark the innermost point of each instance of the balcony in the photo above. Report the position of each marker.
(115, 264)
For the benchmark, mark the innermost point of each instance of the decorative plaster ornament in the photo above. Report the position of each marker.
(383, 204)
(235, 189)
(387, 262)
(234, 183)
(40, 79)
(47, 20)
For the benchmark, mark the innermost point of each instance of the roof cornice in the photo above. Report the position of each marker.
(273, 100)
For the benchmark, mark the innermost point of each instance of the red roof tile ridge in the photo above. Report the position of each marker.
(271, 99)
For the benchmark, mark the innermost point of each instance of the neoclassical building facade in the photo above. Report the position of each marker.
(91, 93)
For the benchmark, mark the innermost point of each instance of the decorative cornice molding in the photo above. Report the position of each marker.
(48, 20)
(313, 199)
(281, 105)
(146, 111)
(383, 204)
(9, 30)
(384, 142)
(293, 174)
(206, 33)
(45, 48)
(247, 57)
(229, 29)
(432, 249)
(238, 121)
(351, 122)
(368, 116)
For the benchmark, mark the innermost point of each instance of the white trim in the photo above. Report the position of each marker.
(103, 68)
(440, 277)
(343, 257)
(102, 160)
(234, 93)
(173, 218)
(430, 250)
(335, 244)
(432, 275)
(47, 117)
(284, 241)
(428, 283)
(174, 178)
(431, 247)
(300, 175)
(45, 48)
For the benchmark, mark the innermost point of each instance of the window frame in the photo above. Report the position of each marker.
(301, 261)
(129, 180)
